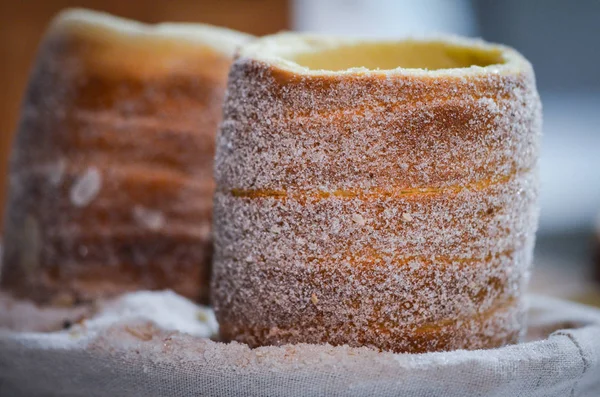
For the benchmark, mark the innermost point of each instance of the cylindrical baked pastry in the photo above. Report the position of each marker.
(111, 172)
(375, 193)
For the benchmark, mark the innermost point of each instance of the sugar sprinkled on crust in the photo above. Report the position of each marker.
(111, 171)
(86, 187)
(405, 201)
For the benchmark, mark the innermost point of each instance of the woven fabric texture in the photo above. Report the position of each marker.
(133, 347)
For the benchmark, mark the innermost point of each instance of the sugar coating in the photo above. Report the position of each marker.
(85, 188)
(296, 140)
(111, 171)
(57, 172)
(391, 210)
(167, 310)
(151, 219)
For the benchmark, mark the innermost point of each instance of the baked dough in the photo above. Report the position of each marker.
(111, 172)
(376, 194)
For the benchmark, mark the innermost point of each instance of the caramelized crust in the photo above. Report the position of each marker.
(389, 208)
(111, 171)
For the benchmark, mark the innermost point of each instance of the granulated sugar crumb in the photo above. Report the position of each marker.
(314, 299)
(275, 229)
(148, 218)
(202, 316)
(166, 309)
(86, 187)
(358, 219)
(56, 172)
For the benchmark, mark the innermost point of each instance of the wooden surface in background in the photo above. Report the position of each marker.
(22, 24)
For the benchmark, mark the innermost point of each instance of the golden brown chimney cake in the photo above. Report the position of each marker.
(111, 171)
(376, 193)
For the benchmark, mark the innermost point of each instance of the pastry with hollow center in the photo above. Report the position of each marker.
(375, 194)
(111, 172)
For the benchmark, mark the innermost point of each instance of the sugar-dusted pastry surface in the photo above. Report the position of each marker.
(111, 171)
(393, 208)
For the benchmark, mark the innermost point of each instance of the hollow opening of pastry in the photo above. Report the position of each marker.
(406, 55)
(319, 55)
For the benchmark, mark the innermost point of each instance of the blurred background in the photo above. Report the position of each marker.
(560, 37)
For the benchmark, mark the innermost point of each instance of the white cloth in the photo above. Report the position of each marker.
(153, 344)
